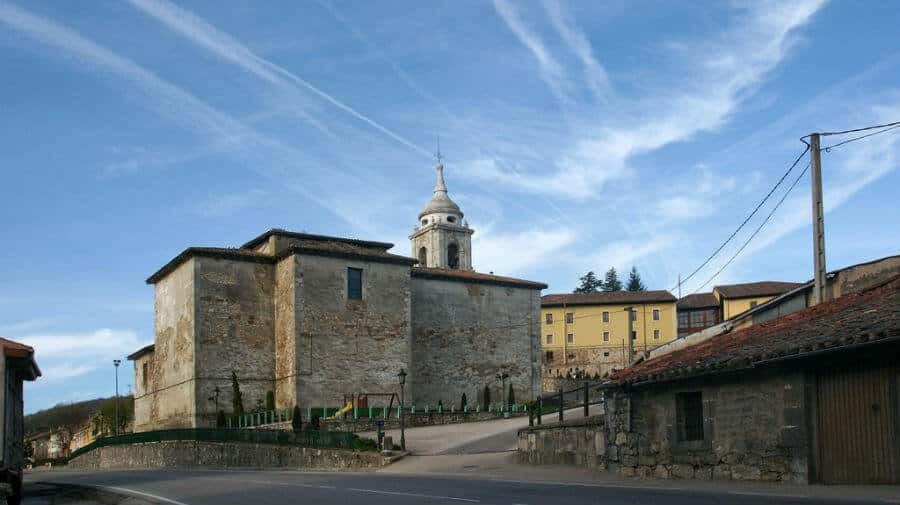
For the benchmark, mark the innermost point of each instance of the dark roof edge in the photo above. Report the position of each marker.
(377, 258)
(495, 281)
(208, 252)
(147, 349)
(322, 238)
(625, 302)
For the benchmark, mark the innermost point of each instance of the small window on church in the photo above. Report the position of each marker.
(453, 256)
(354, 284)
(424, 221)
(451, 219)
(423, 257)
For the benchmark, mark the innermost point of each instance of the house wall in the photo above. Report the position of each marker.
(287, 330)
(346, 346)
(755, 428)
(735, 306)
(235, 333)
(169, 399)
(465, 333)
(589, 350)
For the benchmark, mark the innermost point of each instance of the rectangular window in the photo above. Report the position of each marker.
(606, 336)
(548, 318)
(570, 338)
(689, 416)
(605, 316)
(354, 283)
(549, 355)
(633, 335)
(549, 339)
(656, 314)
(633, 315)
(684, 320)
(570, 318)
(697, 318)
(655, 334)
(606, 354)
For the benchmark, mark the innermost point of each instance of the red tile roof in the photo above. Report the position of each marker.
(752, 289)
(607, 298)
(864, 318)
(476, 277)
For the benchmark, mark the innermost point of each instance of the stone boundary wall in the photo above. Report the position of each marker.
(412, 421)
(193, 454)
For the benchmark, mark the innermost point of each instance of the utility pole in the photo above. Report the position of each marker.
(818, 216)
(679, 286)
(628, 338)
(116, 363)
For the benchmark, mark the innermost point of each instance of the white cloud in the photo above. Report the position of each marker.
(595, 75)
(66, 355)
(512, 253)
(229, 203)
(26, 325)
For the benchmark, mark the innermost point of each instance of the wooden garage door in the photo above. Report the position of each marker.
(857, 424)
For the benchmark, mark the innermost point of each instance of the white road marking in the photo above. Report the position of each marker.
(141, 493)
(414, 495)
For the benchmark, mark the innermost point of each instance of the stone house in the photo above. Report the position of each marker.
(317, 320)
(807, 397)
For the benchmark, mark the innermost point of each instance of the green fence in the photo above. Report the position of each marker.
(321, 439)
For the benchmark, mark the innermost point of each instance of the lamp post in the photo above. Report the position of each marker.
(216, 400)
(116, 363)
(503, 376)
(402, 378)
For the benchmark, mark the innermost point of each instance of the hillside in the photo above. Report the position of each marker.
(73, 414)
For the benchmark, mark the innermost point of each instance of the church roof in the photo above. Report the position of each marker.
(319, 238)
(440, 202)
(344, 250)
(208, 252)
(474, 277)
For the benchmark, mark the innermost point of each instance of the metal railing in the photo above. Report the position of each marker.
(318, 439)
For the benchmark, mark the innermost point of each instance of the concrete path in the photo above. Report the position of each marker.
(472, 438)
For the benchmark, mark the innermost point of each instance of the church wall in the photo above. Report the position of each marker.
(167, 401)
(351, 346)
(235, 319)
(464, 334)
(287, 326)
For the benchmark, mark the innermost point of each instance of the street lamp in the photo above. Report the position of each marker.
(402, 378)
(216, 400)
(116, 363)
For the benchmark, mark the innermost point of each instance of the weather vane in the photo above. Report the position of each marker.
(437, 154)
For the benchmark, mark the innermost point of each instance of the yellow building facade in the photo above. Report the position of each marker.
(588, 332)
(736, 299)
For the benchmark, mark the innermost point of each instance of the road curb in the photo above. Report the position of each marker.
(100, 494)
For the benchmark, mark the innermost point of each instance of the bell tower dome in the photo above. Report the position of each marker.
(442, 239)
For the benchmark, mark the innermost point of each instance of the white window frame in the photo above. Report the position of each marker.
(656, 314)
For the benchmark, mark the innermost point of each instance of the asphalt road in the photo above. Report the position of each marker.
(197, 487)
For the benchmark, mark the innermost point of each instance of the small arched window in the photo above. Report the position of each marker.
(453, 256)
(424, 222)
(451, 219)
(423, 257)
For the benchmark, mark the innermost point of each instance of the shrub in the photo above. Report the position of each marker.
(237, 403)
(296, 419)
(486, 401)
(511, 397)
(463, 402)
(270, 400)
(364, 444)
(220, 418)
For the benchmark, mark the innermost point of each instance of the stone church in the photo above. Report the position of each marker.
(316, 319)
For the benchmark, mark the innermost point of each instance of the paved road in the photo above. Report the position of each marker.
(184, 487)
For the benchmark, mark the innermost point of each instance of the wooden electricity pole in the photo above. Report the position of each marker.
(818, 217)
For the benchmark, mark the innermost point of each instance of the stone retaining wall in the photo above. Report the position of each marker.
(193, 454)
(412, 421)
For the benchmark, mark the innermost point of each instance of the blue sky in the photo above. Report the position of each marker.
(576, 136)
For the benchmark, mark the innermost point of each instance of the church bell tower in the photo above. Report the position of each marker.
(442, 239)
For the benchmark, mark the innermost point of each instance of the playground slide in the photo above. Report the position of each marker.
(339, 413)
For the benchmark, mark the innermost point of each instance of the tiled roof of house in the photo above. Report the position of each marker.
(142, 351)
(865, 318)
(476, 277)
(18, 350)
(751, 289)
(697, 301)
(607, 298)
(317, 238)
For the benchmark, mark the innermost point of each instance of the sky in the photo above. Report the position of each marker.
(576, 136)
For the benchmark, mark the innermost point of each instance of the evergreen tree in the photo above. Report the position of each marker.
(634, 281)
(511, 397)
(463, 403)
(237, 402)
(270, 400)
(589, 283)
(296, 419)
(612, 282)
(220, 419)
(486, 401)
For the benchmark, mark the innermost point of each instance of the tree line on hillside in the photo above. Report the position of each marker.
(72, 415)
(590, 283)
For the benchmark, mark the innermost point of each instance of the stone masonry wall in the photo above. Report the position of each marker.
(167, 398)
(287, 326)
(347, 346)
(465, 333)
(235, 333)
(754, 429)
(191, 454)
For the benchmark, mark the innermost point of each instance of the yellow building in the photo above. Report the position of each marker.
(735, 299)
(588, 332)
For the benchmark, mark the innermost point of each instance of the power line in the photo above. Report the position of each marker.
(854, 139)
(875, 127)
(746, 220)
(755, 232)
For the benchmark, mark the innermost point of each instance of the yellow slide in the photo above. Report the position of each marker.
(347, 408)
